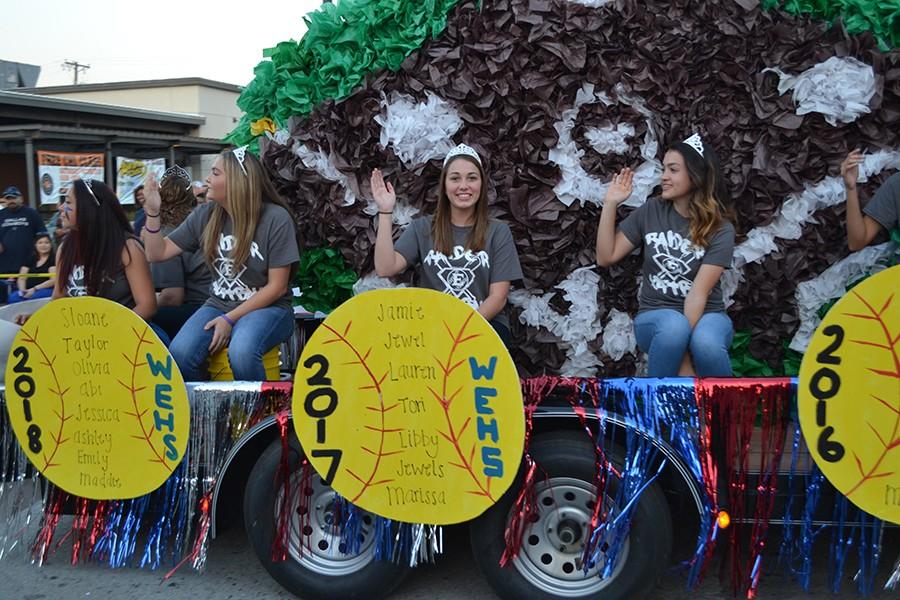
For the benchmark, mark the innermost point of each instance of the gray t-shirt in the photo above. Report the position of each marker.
(465, 274)
(671, 260)
(115, 288)
(884, 206)
(274, 245)
(188, 271)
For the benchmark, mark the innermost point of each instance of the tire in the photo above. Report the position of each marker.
(322, 572)
(548, 565)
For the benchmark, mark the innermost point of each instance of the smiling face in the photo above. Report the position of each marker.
(68, 209)
(43, 246)
(463, 184)
(676, 183)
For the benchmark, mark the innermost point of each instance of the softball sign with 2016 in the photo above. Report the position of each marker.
(849, 395)
(96, 400)
(409, 405)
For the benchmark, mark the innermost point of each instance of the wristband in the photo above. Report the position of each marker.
(148, 230)
(148, 215)
(228, 319)
(384, 212)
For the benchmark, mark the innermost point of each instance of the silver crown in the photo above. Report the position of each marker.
(696, 143)
(239, 154)
(462, 150)
(178, 173)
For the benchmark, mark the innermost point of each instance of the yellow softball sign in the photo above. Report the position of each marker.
(409, 404)
(849, 395)
(96, 400)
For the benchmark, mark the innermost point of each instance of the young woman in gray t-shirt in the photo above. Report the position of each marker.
(688, 242)
(246, 234)
(460, 251)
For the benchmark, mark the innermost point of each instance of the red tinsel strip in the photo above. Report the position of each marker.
(601, 466)
(709, 469)
(535, 390)
(101, 510)
(52, 512)
(80, 527)
(283, 474)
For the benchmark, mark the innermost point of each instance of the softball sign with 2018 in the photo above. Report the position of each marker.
(96, 400)
(409, 405)
(849, 395)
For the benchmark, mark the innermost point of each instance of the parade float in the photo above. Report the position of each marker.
(570, 467)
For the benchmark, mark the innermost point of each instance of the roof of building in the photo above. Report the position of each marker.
(133, 85)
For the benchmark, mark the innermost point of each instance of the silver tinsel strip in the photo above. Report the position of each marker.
(21, 505)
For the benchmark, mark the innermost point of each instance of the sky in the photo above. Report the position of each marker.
(160, 39)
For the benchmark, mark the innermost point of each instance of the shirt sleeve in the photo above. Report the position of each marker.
(634, 225)
(884, 206)
(187, 236)
(282, 241)
(168, 274)
(504, 256)
(408, 244)
(720, 251)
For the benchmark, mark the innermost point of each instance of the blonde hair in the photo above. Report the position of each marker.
(245, 194)
(441, 227)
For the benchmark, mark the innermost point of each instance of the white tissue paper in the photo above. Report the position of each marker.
(832, 283)
(618, 335)
(370, 282)
(591, 3)
(575, 329)
(319, 162)
(418, 132)
(839, 88)
(796, 212)
(611, 139)
(575, 183)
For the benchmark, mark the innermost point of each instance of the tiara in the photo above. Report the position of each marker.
(462, 150)
(178, 173)
(696, 143)
(239, 154)
(87, 184)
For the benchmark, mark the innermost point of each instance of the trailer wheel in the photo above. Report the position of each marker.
(549, 565)
(322, 570)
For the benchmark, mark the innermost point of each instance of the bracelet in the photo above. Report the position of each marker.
(148, 215)
(148, 230)
(228, 319)
(384, 212)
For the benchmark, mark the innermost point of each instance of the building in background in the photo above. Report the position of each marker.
(16, 75)
(181, 120)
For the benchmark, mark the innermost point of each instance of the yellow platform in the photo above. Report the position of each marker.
(220, 368)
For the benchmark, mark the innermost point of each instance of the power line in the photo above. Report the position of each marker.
(75, 66)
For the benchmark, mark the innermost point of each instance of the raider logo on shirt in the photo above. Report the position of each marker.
(457, 272)
(75, 286)
(228, 284)
(675, 256)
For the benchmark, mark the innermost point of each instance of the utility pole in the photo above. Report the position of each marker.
(75, 66)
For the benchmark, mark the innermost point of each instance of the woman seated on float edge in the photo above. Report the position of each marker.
(687, 242)
(182, 283)
(461, 237)
(247, 236)
(41, 262)
(100, 255)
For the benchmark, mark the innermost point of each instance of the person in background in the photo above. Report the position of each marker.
(42, 261)
(19, 225)
(247, 234)
(54, 226)
(882, 212)
(139, 215)
(182, 283)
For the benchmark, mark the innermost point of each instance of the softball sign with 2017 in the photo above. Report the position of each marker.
(409, 405)
(96, 400)
(849, 395)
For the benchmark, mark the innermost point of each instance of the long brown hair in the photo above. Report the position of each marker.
(710, 202)
(441, 227)
(177, 201)
(246, 194)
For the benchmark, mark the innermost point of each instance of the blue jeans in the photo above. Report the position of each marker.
(253, 335)
(664, 334)
(17, 296)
